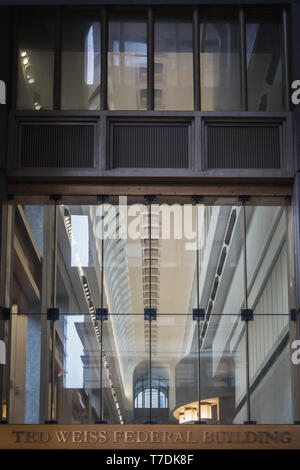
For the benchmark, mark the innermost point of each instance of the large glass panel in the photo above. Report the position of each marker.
(264, 66)
(127, 64)
(28, 300)
(173, 62)
(80, 67)
(268, 295)
(150, 370)
(221, 293)
(36, 30)
(219, 65)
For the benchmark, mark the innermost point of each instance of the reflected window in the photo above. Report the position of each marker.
(35, 59)
(159, 399)
(264, 66)
(173, 64)
(219, 66)
(127, 64)
(81, 61)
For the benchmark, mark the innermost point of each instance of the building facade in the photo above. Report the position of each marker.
(150, 256)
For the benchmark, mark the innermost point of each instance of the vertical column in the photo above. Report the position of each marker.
(198, 313)
(244, 91)
(104, 51)
(101, 314)
(150, 59)
(196, 60)
(150, 312)
(57, 60)
(53, 312)
(246, 313)
(285, 58)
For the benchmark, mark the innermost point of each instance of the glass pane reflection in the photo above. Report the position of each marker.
(219, 66)
(264, 66)
(173, 62)
(127, 64)
(150, 372)
(36, 38)
(81, 61)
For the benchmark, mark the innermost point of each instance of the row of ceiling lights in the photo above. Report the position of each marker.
(92, 310)
(30, 79)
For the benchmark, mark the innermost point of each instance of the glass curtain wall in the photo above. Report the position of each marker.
(170, 311)
(60, 49)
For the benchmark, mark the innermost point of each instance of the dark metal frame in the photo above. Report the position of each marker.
(104, 12)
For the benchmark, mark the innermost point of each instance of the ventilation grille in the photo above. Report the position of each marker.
(149, 146)
(247, 146)
(56, 146)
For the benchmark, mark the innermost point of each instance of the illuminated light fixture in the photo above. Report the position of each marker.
(189, 413)
(23, 54)
(31, 80)
(37, 106)
(25, 61)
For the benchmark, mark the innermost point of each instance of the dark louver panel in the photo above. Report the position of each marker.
(149, 146)
(56, 146)
(247, 146)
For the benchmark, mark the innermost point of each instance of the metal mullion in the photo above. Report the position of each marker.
(196, 60)
(150, 319)
(246, 307)
(150, 59)
(54, 292)
(104, 53)
(285, 59)
(243, 63)
(57, 59)
(101, 323)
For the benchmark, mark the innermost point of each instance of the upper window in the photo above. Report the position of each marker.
(36, 36)
(173, 63)
(169, 59)
(127, 63)
(219, 65)
(264, 66)
(80, 87)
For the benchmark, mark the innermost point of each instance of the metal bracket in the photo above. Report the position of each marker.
(250, 422)
(5, 313)
(244, 199)
(55, 197)
(197, 199)
(150, 198)
(198, 314)
(101, 314)
(51, 421)
(102, 198)
(101, 422)
(53, 313)
(294, 314)
(246, 314)
(149, 314)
